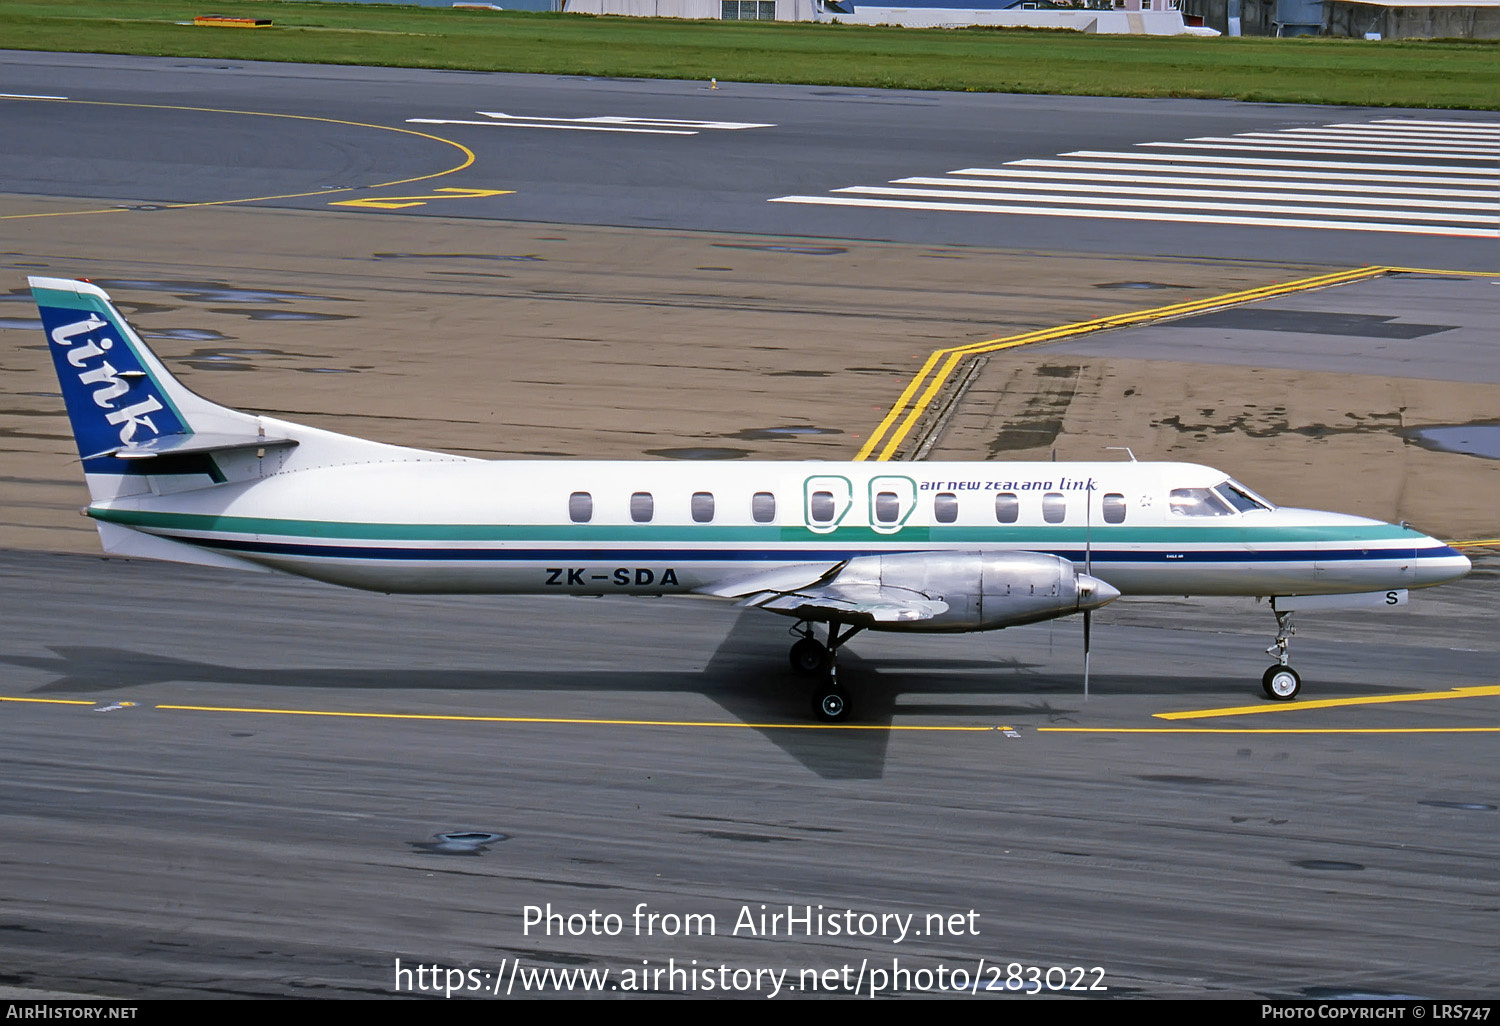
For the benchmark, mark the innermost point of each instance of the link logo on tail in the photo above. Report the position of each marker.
(113, 399)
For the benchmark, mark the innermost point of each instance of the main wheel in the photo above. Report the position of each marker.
(1281, 683)
(809, 656)
(830, 704)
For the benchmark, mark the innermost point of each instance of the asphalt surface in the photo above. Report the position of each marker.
(162, 128)
(224, 785)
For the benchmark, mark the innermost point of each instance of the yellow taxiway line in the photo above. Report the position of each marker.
(573, 721)
(51, 701)
(468, 160)
(1332, 703)
(939, 367)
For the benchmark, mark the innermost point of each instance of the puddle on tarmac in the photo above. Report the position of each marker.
(1481, 438)
(772, 433)
(704, 452)
(210, 291)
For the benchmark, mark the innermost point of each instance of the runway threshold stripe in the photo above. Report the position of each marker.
(578, 721)
(1333, 703)
(1178, 185)
(1187, 200)
(1136, 215)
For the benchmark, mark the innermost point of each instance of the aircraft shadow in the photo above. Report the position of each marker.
(747, 676)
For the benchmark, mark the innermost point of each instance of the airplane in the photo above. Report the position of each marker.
(922, 547)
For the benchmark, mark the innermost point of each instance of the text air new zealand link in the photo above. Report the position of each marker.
(766, 921)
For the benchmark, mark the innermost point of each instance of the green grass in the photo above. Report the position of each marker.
(1449, 73)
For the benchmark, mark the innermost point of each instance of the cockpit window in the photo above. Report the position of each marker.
(1240, 497)
(1199, 502)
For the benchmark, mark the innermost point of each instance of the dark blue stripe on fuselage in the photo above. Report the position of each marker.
(782, 555)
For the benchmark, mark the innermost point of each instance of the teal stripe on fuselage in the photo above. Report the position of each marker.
(1039, 535)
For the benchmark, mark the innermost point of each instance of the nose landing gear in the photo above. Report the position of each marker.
(1281, 683)
(810, 657)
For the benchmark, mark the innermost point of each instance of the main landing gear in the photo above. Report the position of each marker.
(1281, 683)
(810, 657)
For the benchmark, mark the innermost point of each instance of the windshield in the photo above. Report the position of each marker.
(1240, 497)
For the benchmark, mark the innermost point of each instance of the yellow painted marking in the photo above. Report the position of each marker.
(398, 202)
(939, 366)
(1269, 730)
(1331, 703)
(51, 701)
(567, 720)
(1434, 270)
(1477, 543)
(468, 160)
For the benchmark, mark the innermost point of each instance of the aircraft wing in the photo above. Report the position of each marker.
(841, 601)
(813, 591)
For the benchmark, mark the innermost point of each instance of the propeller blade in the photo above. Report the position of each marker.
(1088, 616)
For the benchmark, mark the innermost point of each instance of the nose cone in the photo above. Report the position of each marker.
(1093, 593)
(1439, 564)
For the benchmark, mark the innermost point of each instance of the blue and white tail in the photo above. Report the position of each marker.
(140, 431)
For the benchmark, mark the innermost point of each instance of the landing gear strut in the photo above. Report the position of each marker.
(809, 657)
(1281, 683)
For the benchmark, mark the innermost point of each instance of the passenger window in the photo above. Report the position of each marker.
(887, 508)
(642, 506)
(1007, 508)
(945, 507)
(703, 507)
(1054, 507)
(822, 507)
(580, 507)
(1198, 502)
(1114, 508)
(763, 507)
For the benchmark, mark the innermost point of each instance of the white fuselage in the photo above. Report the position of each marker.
(589, 528)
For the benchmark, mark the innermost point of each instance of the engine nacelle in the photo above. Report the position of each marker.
(984, 590)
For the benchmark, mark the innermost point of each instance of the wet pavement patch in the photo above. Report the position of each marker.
(1140, 285)
(456, 256)
(460, 842)
(209, 291)
(703, 452)
(787, 431)
(1462, 806)
(20, 324)
(187, 334)
(781, 248)
(1481, 438)
(1310, 322)
(284, 315)
(1328, 865)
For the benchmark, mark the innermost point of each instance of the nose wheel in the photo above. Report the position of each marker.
(1281, 683)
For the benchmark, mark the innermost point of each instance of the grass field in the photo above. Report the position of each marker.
(1451, 73)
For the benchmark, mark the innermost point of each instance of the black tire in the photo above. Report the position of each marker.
(831, 704)
(1281, 683)
(809, 656)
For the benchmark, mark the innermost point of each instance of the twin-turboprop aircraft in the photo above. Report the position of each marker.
(939, 547)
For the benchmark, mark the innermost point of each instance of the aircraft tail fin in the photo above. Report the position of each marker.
(140, 430)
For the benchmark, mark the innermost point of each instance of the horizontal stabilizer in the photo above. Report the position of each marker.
(184, 444)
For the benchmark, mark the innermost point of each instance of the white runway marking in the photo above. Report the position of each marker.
(1451, 191)
(606, 123)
